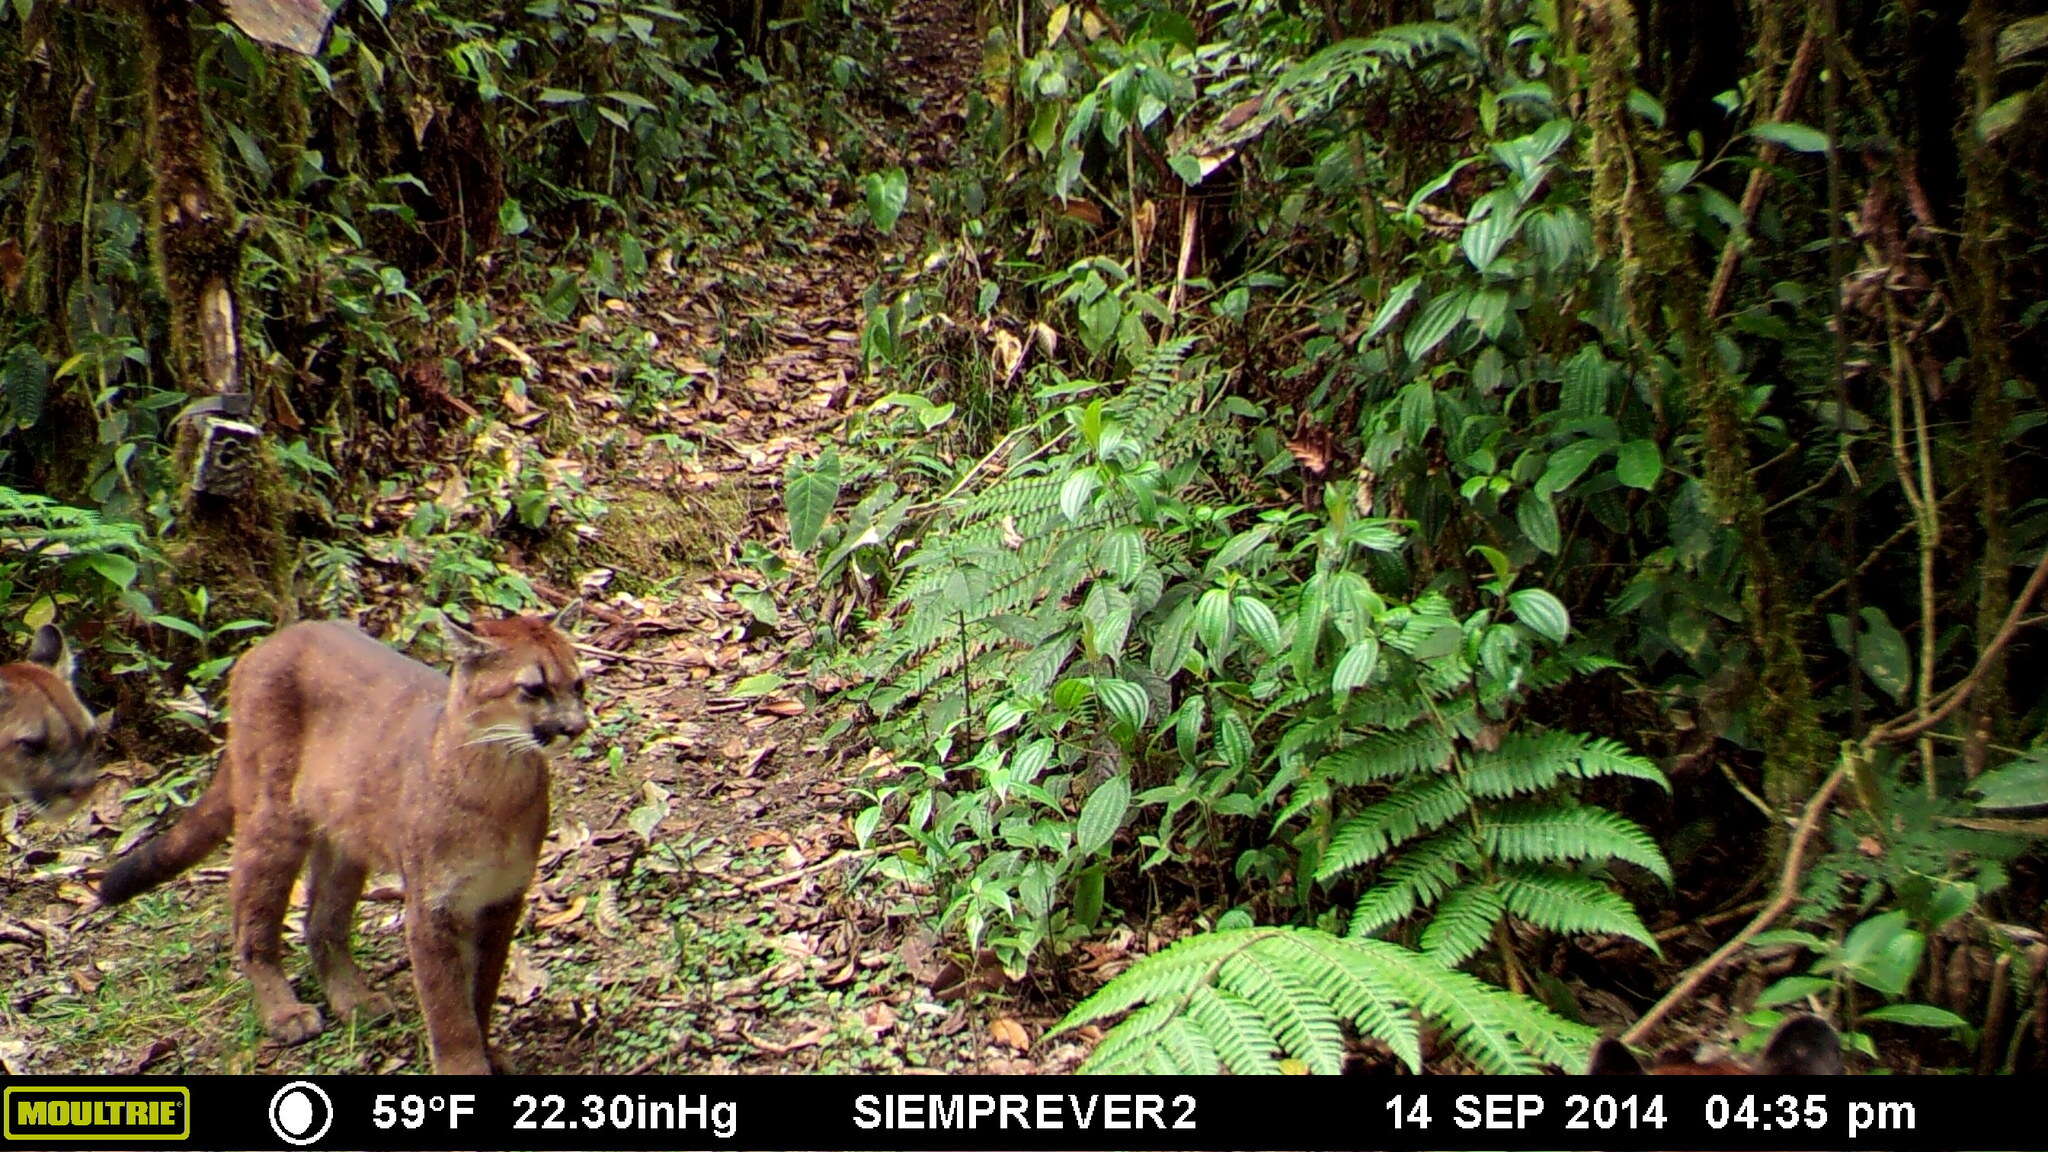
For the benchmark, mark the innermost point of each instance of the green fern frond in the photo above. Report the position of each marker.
(1463, 923)
(1385, 756)
(1417, 879)
(1539, 833)
(1559, 901)
(1289, 987)
(1528, 762)
(1303, 1021)
(1414, 808)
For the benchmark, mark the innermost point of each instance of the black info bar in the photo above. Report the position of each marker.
(1021, 1113)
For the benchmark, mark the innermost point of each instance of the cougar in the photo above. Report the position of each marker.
(1803, 1045)
(49, 739)
(342, 750)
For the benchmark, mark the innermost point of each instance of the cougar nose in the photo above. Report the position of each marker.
(570, 728)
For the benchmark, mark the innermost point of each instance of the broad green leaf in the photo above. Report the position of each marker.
(1233, 739)
(759, 685)
(114, 569)
(1569, 463)
(1543, 613)
(1213, 623)
(1792, 988)
(1087, 905)
(2020, 784)
(1398, 299)
(512, 218)
(887, 192)
(1538, 521)
(1915, 1015)
(1486, 236)
(1883, 654)
(1102, 815)
(1077, 493)
(1355, 670)
(809, 495)
(1259, 623)
(1437, 320)
(1797, 137)
(1638, 464)
(1126, 702)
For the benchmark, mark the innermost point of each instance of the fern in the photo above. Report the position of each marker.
(1241, 1000)
(38, 535)
(1026, 555)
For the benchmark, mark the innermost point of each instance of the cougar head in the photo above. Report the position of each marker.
(518, 682)
(49, 740)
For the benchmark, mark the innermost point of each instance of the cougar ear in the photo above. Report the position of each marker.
(1612, 1058)
(1804, 1045)
(568, 616)
(50, 651)
(465, 646)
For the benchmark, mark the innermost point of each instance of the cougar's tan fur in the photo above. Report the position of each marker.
(346, 753)
(49, 739)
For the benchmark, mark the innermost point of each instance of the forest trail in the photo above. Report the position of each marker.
(699, 905)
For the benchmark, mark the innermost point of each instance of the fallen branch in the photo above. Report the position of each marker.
(1788, 891)
(630, 658)
(819, 866)
(1907, 727)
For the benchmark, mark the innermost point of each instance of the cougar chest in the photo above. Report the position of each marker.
(488, 865)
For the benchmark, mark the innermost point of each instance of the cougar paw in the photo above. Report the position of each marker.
(294, 1025)
(501, 1064)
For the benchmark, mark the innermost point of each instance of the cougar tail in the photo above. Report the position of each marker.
(199, 831)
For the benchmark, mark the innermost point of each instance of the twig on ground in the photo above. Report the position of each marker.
(1788, 891)
(819, 866)
(631, 658)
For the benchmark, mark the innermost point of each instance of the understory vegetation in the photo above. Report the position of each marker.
(1459, 525)
(1484, 479)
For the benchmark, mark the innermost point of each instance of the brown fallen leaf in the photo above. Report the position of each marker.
(567, 915)
(157, 1050)
(1010, 1034)
(880, 1018)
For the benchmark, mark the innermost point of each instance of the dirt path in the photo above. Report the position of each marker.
(699, 906)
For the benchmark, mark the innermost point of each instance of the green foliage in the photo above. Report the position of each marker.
(1240, 1000)
(47, 549)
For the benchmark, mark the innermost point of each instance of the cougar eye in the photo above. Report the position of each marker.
(32, 745)
(532, 691)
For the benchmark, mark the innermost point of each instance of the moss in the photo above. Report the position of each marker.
(649, 536)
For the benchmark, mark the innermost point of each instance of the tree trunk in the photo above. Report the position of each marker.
(230, 536)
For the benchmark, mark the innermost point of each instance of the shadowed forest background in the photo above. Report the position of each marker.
(1287, 535)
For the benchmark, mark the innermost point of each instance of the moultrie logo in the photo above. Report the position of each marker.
(83, 1112)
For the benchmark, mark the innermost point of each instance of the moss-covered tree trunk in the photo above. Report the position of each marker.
(230, 535)
(1667, 291)
(54, 95)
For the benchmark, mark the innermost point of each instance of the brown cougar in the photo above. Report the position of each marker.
(342, 750)
(49, 739)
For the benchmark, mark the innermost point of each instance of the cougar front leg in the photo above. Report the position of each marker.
(495, 926)
(443, 948)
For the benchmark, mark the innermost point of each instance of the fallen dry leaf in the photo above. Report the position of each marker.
(1009, 1033)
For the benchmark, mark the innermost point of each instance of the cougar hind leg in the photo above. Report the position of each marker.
(267, 860)
(334, 884)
